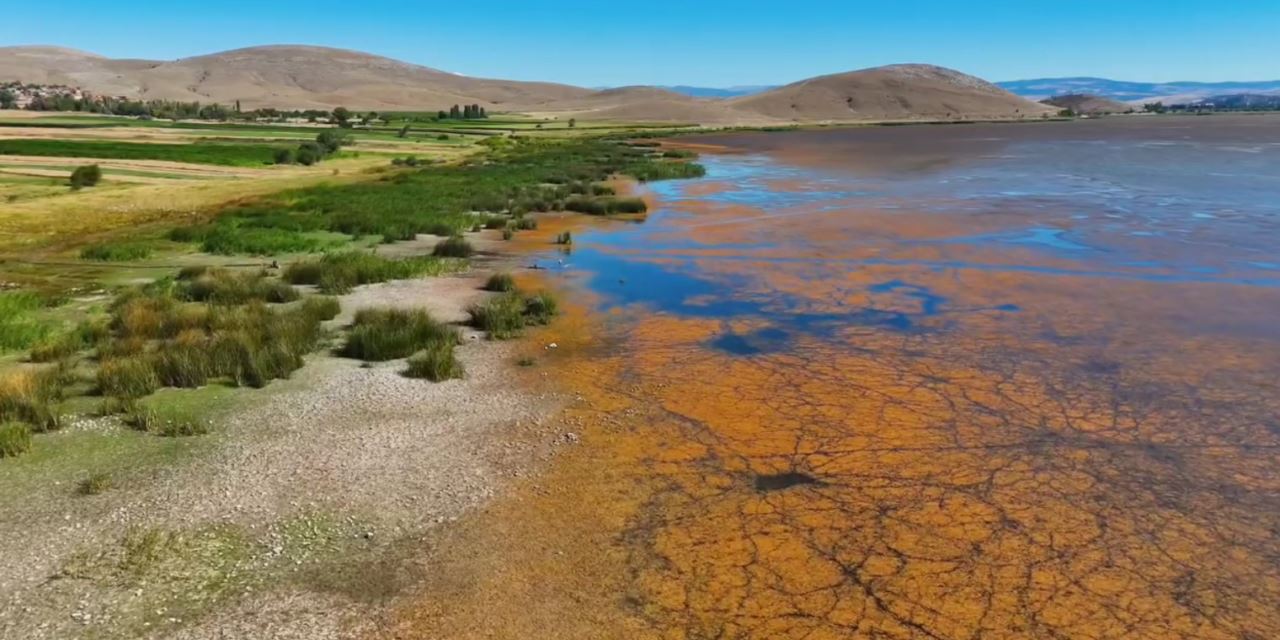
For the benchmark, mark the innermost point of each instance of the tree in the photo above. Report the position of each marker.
(237, 106)
(404, 132)
(455, 112)
(85, 176)
(7, 99)
(284, 156)
(573, 122)
(330, 140)
(341, 115)
(309, 153)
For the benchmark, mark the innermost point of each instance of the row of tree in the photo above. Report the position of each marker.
(466, 112)
(311, 152)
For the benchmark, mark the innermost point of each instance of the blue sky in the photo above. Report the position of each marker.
(708, 43)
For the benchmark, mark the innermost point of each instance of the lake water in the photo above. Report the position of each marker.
(982, 381)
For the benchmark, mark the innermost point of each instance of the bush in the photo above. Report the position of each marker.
(541, 308)
(435, 363)
(387, 334)
(308, 154)
(284, 156)
(220, 286)
(508, 233)
(15, 439)
(123, 252)
(85, 176)
(454, 247)
(500, 283)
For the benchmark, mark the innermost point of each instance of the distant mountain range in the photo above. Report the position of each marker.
(1042, 88)
(726, 92)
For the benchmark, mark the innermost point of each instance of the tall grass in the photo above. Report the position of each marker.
(213, 325)
(15, 439)
(117, 252)
(454, 247)
(338, 273)
(506, 315)
(500, 283)
(436, 363)
(20, 326)
(387, 334)
(603, 206)
(29, 396)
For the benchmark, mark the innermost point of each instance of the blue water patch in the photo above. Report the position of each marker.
(766, 340)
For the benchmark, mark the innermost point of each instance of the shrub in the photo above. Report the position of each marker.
(540, 308)
(500, 283)
(85, 176)
(564, 238)
(387, 334)
(435, 363)
(15, 439)
(308, 154)
(454, 247)
(220, 286)
(122, 252)
(284, 156)
(524, 224)
(508, 233)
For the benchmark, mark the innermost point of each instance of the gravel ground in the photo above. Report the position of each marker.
(384, 456)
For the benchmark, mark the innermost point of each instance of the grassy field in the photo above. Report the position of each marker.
(234, 155)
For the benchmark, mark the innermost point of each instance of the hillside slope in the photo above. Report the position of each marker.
(284, 76)
(896, 92)
(1087, 104)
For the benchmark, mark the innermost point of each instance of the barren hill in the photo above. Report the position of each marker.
(896, 92)
(278, 76)
(1085, 103)
(295, 76)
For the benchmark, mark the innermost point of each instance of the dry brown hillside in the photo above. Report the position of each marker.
(1085, 103)
(896, 92)
(291, 76)
(278, 76)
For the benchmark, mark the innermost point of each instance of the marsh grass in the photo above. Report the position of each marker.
(94, 484)
(564, 238)
(30, 395)
(15, 439)
(506, 315)
(436, 363)
(214, 325)
(117, 252)
(500, 283)
(604, 206)
(378, 335)
(338, 273)
(454, 247)
(20, 322)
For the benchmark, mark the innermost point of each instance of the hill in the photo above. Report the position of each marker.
(1042, 88)
(896, 92)
(301, 77)
(283, 76)
(1087, 104)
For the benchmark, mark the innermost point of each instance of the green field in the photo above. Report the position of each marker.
(235, 155)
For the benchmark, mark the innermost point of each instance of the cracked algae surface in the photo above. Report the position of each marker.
(806, 415)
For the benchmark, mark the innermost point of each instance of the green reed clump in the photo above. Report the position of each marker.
(565, 238)
(15, 439)
(387, 334)
(603, 206)
(436, 363)
(117, 252)
(500, 282)
(20, 323)
(128, 377)
(338, 273)
(321, 308)
(506, 315)
(454, 247)
(525, 224)
(221, 286)
(149, 420)
(60, 346)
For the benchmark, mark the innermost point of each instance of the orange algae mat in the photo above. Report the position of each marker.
(817, 403)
